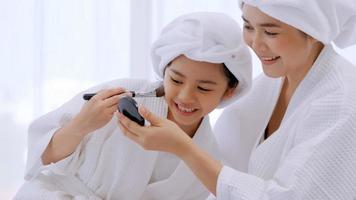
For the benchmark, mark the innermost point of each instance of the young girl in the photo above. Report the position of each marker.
(78, 152)
(294, 135)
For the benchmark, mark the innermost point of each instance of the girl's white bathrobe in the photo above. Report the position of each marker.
(312, 156)
(106, 164)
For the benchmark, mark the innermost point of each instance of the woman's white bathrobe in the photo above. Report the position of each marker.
(312, 156)
(107, 165)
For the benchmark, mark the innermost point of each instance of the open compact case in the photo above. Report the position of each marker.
(128, 107)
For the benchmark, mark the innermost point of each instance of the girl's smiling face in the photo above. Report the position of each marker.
(192, 90)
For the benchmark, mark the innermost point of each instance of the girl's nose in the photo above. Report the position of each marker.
(186, 95)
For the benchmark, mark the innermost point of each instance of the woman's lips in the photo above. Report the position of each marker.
(269, 60)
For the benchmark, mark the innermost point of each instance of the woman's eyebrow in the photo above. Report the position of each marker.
(244, 19)
(269, 25)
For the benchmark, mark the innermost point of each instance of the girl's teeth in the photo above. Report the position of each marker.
(185, 109)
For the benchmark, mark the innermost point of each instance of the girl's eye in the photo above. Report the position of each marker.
(271, 33)
(176, 81)
(204, 89)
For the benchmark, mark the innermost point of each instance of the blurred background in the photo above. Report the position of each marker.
(52, 49)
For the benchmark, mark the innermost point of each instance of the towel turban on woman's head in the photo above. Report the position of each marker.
(209, 37)
(325, 20)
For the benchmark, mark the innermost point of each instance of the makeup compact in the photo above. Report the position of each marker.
(128, 107)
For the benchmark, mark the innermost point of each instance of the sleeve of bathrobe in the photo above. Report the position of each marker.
(42, 129)
(320, 165)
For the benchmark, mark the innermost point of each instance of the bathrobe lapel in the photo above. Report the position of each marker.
(182, 179)
(273, 91)
(259, 163)
(133, 172)
(134, 175)
(280, 143)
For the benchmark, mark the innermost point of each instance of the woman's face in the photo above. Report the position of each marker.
(193, 89)
(282, 49)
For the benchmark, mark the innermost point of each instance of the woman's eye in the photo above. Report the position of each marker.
(175, 81)
(204, 89)
(248, 27)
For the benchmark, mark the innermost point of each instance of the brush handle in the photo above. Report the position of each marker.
(88, 96)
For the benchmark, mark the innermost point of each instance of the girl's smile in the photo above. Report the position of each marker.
(192, 90)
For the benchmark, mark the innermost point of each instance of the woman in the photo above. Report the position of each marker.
(294, 135)
(78, 152)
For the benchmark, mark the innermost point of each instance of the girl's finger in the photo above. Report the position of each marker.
(128, 134)
(149, 116)
(114, 100)
(112, 109)
(110, 92)
(130, 125)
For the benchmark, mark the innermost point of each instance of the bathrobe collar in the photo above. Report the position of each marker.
(136, 177)
(298, 102)
(318, 70)
(166, 189)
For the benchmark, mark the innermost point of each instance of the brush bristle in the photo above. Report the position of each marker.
(160, 91)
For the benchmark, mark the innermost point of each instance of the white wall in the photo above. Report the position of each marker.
(51, 50)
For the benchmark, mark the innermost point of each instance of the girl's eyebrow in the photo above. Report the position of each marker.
(200, 81)
(268, 25)
(207, 82)
(177, 72)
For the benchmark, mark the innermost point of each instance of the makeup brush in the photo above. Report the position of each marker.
(158, 92)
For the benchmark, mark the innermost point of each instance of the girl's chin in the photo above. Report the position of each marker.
(186, 121)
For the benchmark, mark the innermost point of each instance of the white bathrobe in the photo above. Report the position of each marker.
(106, 164)
(312, 156)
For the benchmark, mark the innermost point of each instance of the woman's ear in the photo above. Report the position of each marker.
(228, 93)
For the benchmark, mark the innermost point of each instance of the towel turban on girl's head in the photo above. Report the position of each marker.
(325, 20)
(205, 36)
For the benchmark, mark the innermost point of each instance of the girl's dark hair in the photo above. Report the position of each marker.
(232, 80)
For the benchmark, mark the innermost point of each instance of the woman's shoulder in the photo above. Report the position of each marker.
(336, 87)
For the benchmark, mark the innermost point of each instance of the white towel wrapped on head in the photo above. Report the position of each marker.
(325, 20)
(209, 37)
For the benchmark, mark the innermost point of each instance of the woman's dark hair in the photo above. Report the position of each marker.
(232, 80)
(241, 4)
